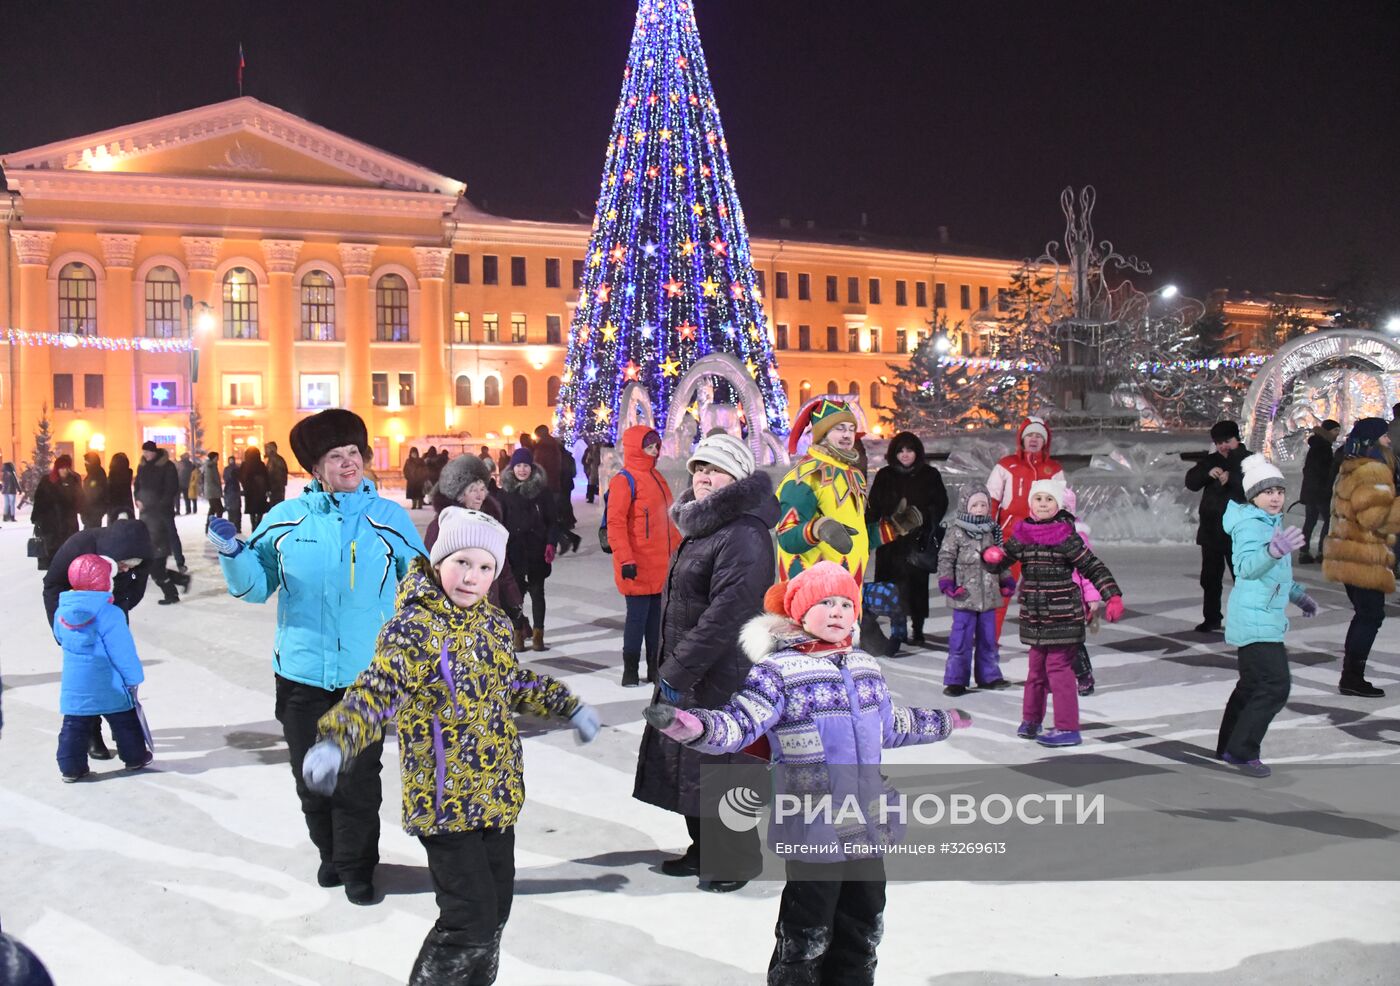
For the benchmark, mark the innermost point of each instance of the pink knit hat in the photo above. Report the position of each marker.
(794, 597)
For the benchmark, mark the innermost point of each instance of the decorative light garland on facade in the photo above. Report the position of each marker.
(71, 340)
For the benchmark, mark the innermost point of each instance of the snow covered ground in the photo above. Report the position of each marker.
(198, 871)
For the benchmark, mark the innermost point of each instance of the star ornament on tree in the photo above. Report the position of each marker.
(670, 368)
(719, 248)
(631, 371)
(609, 332)
(674, 289)
(617, 254)
(602, 413)
(710, 286)
(602, 293)
(686, 331)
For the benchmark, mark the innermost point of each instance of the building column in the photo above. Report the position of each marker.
(433, 399)
(281, 397)
(201, 257)
(119, 393)
(34, 383)
(355, 262)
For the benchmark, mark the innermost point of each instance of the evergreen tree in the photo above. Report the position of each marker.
(1213, 335)
(196, 432)
(43, 443)
(668, 277)
(1284, 322)
(936, 391)
(1021, 334)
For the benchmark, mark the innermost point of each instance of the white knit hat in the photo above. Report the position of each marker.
(1036, 426)
(460, 528)
(724, 451)
(1055, 487)
(1259, 475)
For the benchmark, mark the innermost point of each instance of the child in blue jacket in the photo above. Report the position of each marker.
(1255, 619)
(100, 669)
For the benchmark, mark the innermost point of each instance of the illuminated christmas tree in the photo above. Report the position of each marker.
(668, 277)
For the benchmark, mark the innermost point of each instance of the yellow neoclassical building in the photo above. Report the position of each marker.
(242, 261)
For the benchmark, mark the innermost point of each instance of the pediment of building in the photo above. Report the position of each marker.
(242, 139)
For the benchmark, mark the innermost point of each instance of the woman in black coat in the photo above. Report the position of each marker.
(55, 513)
(94, 506)
(253, 478)
(907, 476)
(715, 584)
(527, 506)
(119, 478)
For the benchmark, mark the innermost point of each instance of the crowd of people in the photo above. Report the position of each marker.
(742, 596)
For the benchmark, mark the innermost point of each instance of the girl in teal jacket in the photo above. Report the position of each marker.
(1256, 618)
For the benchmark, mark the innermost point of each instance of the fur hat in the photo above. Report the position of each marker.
(91, 573)
(522, 457)
(332, 428)
(460, 528)
(149, 447)
(1223, 431)
(794, 597)
(1055, 487)
(724, 451)
(460, 473)
(1259, 475)
(823, 414)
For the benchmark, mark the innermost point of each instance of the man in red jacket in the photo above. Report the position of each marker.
(1010, 484)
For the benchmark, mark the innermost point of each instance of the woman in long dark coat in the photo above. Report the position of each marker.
(253, 478)
(716, 582)
(415, 474)
(907, 476)
(119, 479)
(55, 513)
(94, 506)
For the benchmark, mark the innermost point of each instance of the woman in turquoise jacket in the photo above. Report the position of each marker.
(1256, 618)
(334, 557)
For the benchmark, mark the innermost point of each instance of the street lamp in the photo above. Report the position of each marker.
(1392, 325)
(1169, 291)
(204, 321)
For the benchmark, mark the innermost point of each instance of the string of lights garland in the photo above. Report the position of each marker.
(71, 340)
(1211, 365)
(668, 276)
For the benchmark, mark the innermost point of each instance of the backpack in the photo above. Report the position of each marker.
(603, 528)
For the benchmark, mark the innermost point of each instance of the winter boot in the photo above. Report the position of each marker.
(1354, 679)
(955, 691)
(444, 962)
(518, 639)
(629, 670)
(798, 955)
(652, 676)
(96, 748)
(326, 875)
(537, 639)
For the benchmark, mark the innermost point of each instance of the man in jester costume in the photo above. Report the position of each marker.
(822, 498)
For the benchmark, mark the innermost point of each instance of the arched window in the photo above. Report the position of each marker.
(520, 392)
(806, 391)
(832, 387)
(492, 388)
(317, 306)
(391, 309)
(875, 395)
(77, 300)
(464, 391)
(551, 391)
(240, 304)
(163, 303)
(855, 390)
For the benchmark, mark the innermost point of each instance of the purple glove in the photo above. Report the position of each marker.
(676, 723)
(950, 589)
(961, 720)
(1285, 541)
(1008, 587)
(549, 554)
(1307, 605)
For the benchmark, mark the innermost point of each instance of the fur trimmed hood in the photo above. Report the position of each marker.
(701, 518)
(528, 488)
(768, 633)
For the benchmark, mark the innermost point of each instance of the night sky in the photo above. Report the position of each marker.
(1249, 145)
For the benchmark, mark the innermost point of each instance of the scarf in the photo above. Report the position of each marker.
(977, 526)
(850, 458)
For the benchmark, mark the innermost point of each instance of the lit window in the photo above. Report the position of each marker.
(407, 393)
(77, 300)
(162, 393)
(379, 389)
(490, 328)
(318, 306)
(391, 309)
(517, 328)
(461, 327)
(240, 304)
(242, 389)
(320, 390)
(163, 303)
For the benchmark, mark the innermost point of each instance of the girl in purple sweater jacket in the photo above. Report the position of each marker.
(823, 704)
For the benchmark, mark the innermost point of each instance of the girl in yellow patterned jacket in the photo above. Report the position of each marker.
(445, 671)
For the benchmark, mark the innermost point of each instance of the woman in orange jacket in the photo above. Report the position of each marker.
(642, 538)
